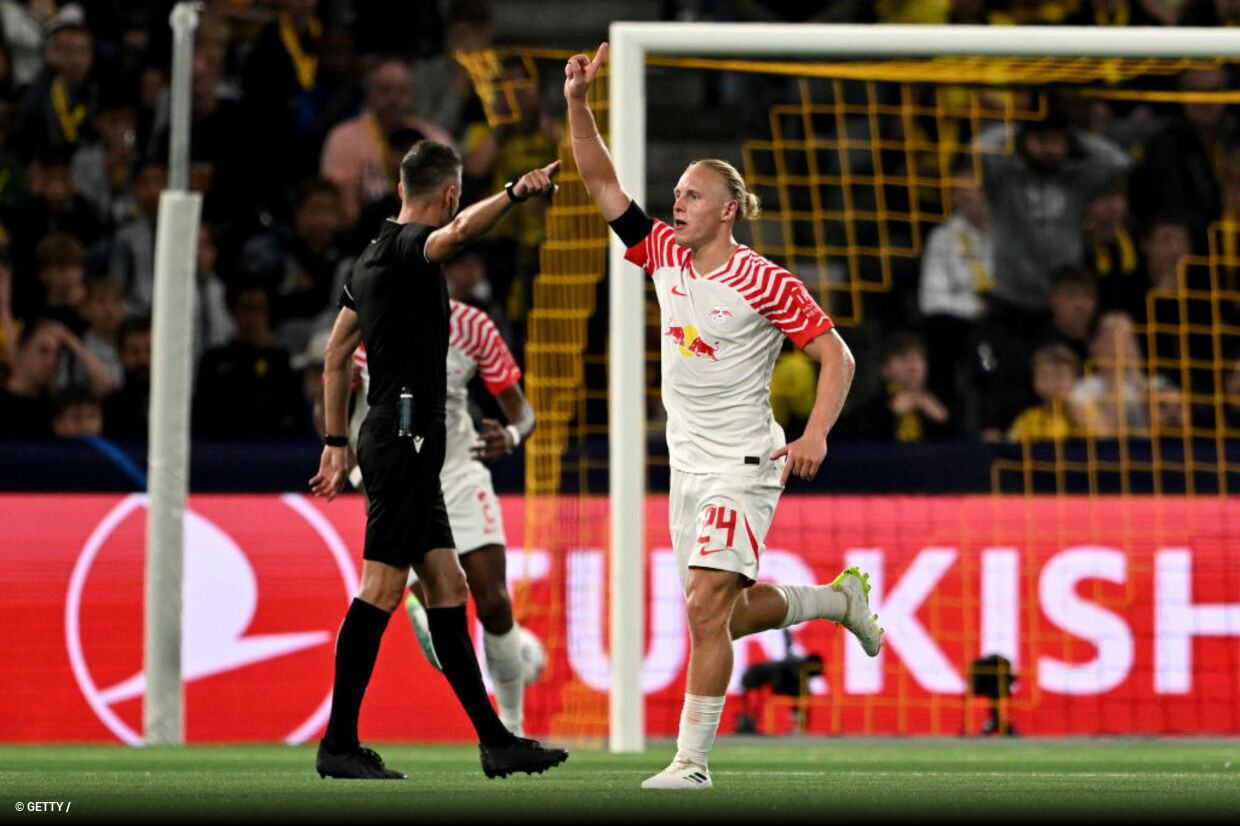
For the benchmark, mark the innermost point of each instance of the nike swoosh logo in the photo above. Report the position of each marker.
(678, 291)
(705, 552)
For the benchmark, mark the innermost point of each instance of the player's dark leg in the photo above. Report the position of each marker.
(486, 570)
(357, 646)
(502, 753)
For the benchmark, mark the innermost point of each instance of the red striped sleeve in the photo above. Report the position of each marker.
(475, 335)
(780, 297)
(359, 365)
(658, 249)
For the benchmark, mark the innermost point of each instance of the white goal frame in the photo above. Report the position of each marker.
(630, 43)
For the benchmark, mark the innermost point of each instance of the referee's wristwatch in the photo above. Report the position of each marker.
(512, 196)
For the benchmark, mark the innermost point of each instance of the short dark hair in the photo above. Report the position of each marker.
(59, 249)
(1074, 275)
(316, 186)
(134, 325)
(428, 166)
(73, 396)
(900, 342)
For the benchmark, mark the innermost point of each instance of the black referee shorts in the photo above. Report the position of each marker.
(407, 515)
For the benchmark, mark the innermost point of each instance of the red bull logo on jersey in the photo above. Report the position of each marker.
(690, 343)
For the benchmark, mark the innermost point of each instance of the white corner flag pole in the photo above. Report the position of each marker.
(176, 239)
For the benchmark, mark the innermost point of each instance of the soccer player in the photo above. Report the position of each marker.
(396, 301)
(474, 347)
(724, 312)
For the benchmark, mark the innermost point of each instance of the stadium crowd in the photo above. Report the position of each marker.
(302, 110)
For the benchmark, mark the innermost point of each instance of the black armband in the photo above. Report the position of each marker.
(336, 441)
(633, 225)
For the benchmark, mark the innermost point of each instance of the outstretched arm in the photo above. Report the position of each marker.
(477, 219)
(589, 151)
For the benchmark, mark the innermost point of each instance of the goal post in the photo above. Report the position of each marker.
(631, 43)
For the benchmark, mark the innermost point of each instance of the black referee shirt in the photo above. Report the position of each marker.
(401, 300)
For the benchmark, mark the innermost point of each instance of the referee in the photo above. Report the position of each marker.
(396, 301)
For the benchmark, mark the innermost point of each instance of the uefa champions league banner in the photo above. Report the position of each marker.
(1119, 616)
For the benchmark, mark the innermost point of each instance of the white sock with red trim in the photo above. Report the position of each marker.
(807, 602)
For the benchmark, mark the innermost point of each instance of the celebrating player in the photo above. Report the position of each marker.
(724, 311)
(474, 347)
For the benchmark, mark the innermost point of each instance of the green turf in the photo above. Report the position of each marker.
(757, 780)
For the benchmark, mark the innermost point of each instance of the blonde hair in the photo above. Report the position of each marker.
(748, 207)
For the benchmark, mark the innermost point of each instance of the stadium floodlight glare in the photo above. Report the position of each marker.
(630, 44)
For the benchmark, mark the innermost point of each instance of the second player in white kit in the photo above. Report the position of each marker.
(513, 654)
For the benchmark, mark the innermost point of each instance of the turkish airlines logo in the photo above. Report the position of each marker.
(261, 602)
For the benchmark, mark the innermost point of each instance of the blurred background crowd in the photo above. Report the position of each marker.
(302, 109)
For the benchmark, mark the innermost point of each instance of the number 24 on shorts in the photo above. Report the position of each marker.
(718, 519)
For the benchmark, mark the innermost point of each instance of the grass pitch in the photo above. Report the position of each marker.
(759, 781)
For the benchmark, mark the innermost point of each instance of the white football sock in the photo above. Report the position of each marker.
(503, 653)
(807, 602)
(699, 720)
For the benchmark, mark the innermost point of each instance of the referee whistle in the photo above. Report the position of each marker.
(404, 410)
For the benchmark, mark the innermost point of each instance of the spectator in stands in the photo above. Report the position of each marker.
(279, 81)
(55, 206)
(213, 324)
(60, 264)
(247, 389)
(23, 23)
(55, 112)
(103, 164)
(905, 410)
(355, 151)
(1055, 369)
(1002, 377)
(956, 273)
(132, 258)
(1113, 397)
(308, 364)
(78, 413)
(1165, 244)
(1038, 198)
(103, 309)
(1179, 169)
(1169, 412)
(25, 398)
(500, 155)
(446, 94)
(1111, 252)
(1074, 304)
(388, 206)
(298, 263)
(126, 412)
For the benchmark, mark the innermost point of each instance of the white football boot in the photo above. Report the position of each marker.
(681, 774)
(855, 586)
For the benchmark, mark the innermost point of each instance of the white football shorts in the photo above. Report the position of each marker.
(720, 521)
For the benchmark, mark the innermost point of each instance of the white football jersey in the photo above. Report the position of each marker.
(474, 346)
(722, 332)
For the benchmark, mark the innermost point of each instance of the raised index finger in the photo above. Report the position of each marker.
(552, 168)
(599, 55)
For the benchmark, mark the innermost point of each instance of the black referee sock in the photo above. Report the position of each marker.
(450, 634)
(357, 646)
